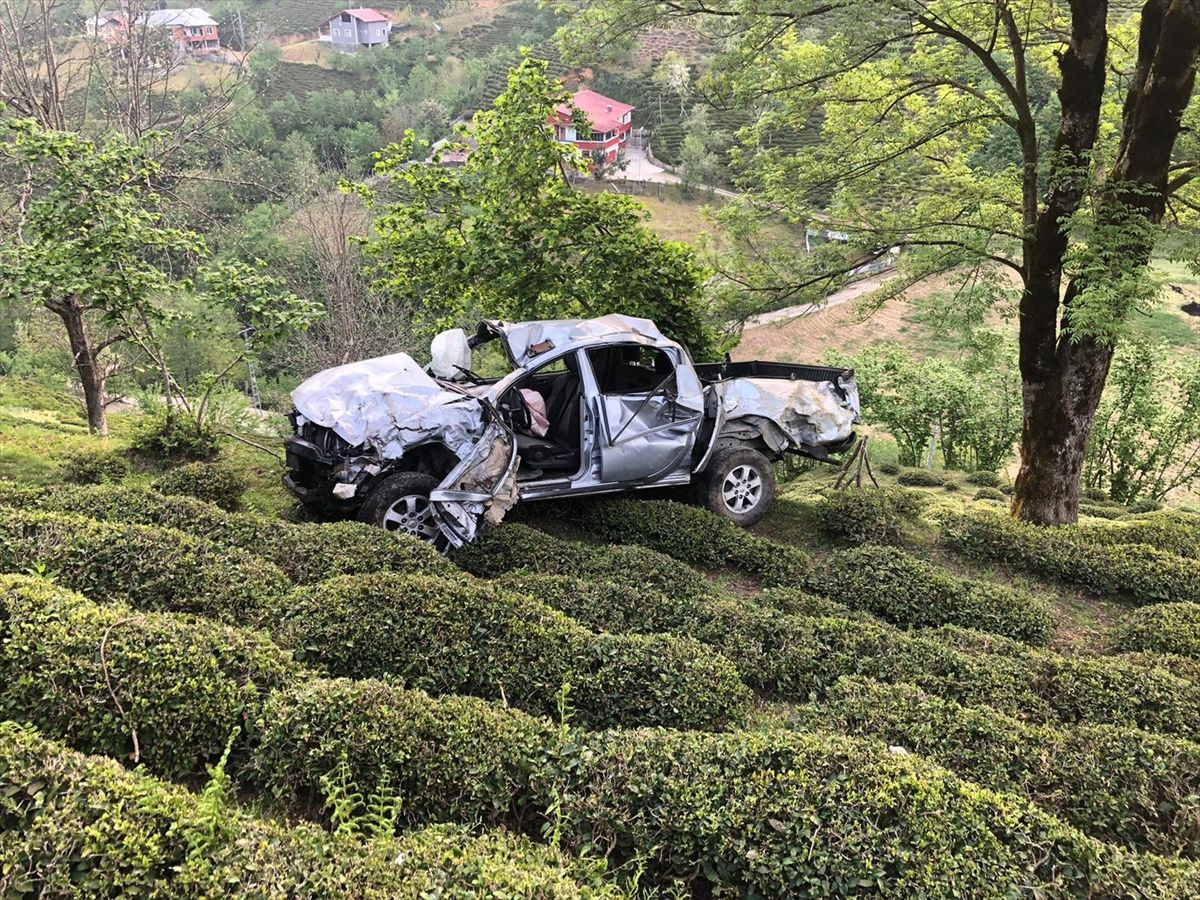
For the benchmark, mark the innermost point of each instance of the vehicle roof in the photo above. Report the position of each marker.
(527, 341)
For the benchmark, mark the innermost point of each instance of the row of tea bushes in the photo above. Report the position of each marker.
(1121, 785)
(1172, 628)
(76, 825)
(152, 568)
(1172, 531)
(306, 553)
(452, 637)
(1139, 572)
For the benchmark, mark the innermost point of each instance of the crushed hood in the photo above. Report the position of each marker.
(810, 413)
(390, 404)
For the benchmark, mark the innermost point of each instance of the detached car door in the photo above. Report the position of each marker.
(649, 409)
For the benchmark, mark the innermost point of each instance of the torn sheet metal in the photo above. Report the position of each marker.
(390, 404)
(804, 413)
(480, 489)
(528, 340)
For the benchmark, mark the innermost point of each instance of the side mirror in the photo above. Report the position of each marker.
(449, 353)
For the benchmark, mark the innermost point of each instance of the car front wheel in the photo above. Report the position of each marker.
(738, 485)
(400, 503)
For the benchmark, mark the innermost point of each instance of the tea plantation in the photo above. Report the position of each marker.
(877, 694)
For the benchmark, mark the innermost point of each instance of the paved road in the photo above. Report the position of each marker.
(837, 298)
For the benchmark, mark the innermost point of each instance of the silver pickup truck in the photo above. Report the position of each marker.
(590, 406)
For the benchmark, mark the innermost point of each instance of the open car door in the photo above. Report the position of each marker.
(480, 489)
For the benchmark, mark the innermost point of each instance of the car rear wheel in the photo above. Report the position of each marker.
(400, 503)
(738, 485)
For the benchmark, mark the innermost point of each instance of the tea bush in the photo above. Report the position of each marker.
(1174, 532)
(82, 826)
(307, 552)
(152, 568)
(448, 759)
(93, 466)
(769, 814)
(863, 515)
(95, 675)
(450, 637)
(691, 535)
(515, 547)
(1118, 784)
(607, 605)
(900, 588)
(1165, 628)
(1139, 572)
(983, 478)
(214, 483)
(990, 494)
(921, 478)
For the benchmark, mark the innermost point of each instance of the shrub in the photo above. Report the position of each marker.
(77, 825)
(1172, 532)
(1165, 628)
(1117, 784)
(983, 478)
(889, 468)
(306, 553)
(799, 603)
(1186, 667)
(921, 478)
(691, 535)
(791, 815)
(214, 483)
(153, 568)
(1074, 554)
(160, 437)
(988, 493)
(94, 676)
(798, 658)
(607, 605)
(862, 516)
(93, 466)
(449, 759)
(449, 637)
(516, 547)
(900, 588)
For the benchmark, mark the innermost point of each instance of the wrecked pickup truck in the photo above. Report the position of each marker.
(589, 406)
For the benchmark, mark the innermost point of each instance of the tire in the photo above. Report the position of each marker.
(738, 484)
(400, 503)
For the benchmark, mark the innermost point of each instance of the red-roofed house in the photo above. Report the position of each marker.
(610, 119)
(354, 29)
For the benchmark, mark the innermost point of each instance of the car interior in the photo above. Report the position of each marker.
(619, 370)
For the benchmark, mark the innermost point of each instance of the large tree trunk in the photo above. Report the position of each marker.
(1062, 379)
(91, 374)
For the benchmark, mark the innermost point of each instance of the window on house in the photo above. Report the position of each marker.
(345, 17)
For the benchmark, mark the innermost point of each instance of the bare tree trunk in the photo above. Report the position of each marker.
(92, 376)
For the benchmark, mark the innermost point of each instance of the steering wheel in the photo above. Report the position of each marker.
(514, 408)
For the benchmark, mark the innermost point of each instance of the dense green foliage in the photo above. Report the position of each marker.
(449, 637)
(77, 825)
(1143, 573)
(164, 691)
(900, 588)
(1117, 784)
(1164, 628)
(214, 483)
(151, 568)
(859, 516)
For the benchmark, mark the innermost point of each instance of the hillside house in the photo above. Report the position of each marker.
(190, 30)
(611, 122)
(108, 26)
(356, 29)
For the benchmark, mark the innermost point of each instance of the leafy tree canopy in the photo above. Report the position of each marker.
(509, 234)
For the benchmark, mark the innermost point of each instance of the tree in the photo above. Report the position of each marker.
(1039, 136)
(673, 76)
(508, 235)
(90, 244)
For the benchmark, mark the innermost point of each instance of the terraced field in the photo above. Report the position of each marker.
(875, 693)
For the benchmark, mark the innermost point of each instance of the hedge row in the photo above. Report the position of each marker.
(81, 826)
(691, 535)
(214, 483)
(1171, 531)
(608, 605)
(451, 637)
(306, 553)
(805, 815)
(1121, 785)
(95, 676)
(1165, 628)
(1140, 572)
(908, 591)
(515, 547)
(869, 516)
(152, 568)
